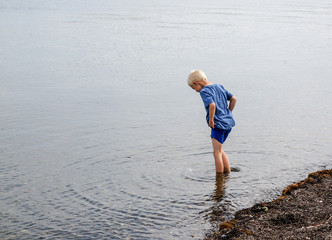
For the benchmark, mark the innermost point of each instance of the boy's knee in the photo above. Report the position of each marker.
(217, 152)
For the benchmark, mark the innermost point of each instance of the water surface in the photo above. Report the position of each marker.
(102, 138)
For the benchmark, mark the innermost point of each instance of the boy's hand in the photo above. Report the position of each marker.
(211, 123)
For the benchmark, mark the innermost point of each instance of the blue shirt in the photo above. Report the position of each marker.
(223, 118)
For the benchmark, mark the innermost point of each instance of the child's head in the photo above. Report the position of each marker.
(196, 76)
(197, 80)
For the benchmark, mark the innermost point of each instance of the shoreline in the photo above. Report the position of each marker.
(303, 211)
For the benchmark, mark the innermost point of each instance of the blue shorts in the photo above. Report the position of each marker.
(219, 134)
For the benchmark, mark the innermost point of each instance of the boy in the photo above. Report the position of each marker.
(218, 114)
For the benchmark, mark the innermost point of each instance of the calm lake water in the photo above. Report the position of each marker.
(101, 138)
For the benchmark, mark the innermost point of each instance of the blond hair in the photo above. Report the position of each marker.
(196, 76)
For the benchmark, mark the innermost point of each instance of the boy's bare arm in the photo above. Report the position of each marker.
(212, 111)
(232, 103)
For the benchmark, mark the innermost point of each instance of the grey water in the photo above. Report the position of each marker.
(101, 138)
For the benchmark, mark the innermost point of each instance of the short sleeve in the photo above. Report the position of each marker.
(229, 95)
(206, 97)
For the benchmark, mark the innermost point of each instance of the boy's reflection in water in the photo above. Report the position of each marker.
(218, 211)
(218, 193)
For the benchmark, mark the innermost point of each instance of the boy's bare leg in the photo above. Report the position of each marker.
(227, 168)
(217, 153)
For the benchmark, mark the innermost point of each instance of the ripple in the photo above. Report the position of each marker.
(198, 177)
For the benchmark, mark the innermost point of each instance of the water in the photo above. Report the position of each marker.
(102, 138)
